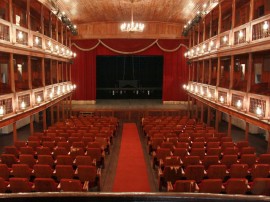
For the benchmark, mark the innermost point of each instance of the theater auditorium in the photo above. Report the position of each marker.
(134, 100)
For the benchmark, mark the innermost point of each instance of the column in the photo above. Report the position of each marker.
(230, 125)
(31, 124)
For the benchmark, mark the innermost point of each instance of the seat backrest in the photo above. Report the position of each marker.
(20, 185)
(64, 160)
(210, 186)
(83, 160)
(249, 159)
(64, 171)
(261, 186)
(43, 150)
(236, 186)
(194, 172)
(260, 171)
(45, 159)
(191, 160)
(210, 160)
(172, 173)
(264, 158)
(27, 159)
(27, 150)
(239, 170)
(198, 152)
(185, 186)
(217, 172)
(21, 170)
(229, 159)
(11, 150)
(3, 185)
(71, 185)
(43, 171)
(9, 159)
(4, 171)
(87, 173)
(45, 185)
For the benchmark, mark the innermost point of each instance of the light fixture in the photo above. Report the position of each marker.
(20, 35)
(36, 40)
(63, 89)
(2, 111)
(196, 89)
(185, 86)
(58, 91)
(265, 26)
(225, 39)
(38, 99)
(239, 104)
(51, 95)
(132, 26)
(241, 34)
(209, 95)
(74, 86)
(221, 99)
(259, 111)
(23, 106)
(202, 92)
(74, 55)
(49, 43)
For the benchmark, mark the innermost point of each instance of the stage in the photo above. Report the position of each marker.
(129, 108)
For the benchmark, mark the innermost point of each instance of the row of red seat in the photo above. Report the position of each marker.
(192, 152)
(57, 160)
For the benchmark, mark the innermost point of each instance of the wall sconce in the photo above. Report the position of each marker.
(36, 40)
(58, 91)
(23, 105)
(185, 54)
(203, 47)
(209, 95)
(239, 104)
(20, 35)
(2, 112)
(49, 43)
(202, 92)
(265, 26)
(51, 95)
(148, 92)
(221, 99)
(185, 86)
(240, 34)
(225, 39)
(259, 112)
(38, 100)
(196, 89)
(74, 86)
(191, 88)
(63, 89)
(68, 88)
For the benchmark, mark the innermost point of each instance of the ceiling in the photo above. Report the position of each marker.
(91, 11)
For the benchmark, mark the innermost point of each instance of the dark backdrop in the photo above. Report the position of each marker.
(129, 76)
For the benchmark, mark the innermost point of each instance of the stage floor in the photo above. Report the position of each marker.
(130, 104)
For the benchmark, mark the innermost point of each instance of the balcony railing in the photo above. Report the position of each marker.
(19, 102)
(15, 35)
(252, 104)
(249, 33)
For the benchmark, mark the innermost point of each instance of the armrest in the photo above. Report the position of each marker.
(169, 186)
(86, 185)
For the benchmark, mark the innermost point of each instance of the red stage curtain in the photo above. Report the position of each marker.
(175, 72)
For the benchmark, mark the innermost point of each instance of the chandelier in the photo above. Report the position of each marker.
(132, 26)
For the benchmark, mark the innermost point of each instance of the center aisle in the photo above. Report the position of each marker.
(131, 173)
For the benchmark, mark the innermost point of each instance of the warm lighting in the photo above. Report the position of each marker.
(38, 99)
(49, 43)
(68, 88)
(132, 26)
(209, 95)
(196, 89)
(2, 111)
(185, 86)
(204, 5)
(36, 40)
(204, 46)
(56, 47)
(63, 89)
(221, 99)
(189, 22)
(191, 88)
(259, 111)
(198, 50)
(74, 55)
(241, 34)
(20, 35)
(74, 86)
(23, 105)
(58, 91)
(239, 104)
(211, 43)
(186, 54)
(202, 92)
(265, 26)
(75, 26)
(51, 95)
(225, 39)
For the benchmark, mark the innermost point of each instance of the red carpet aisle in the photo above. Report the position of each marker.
(131, 172)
